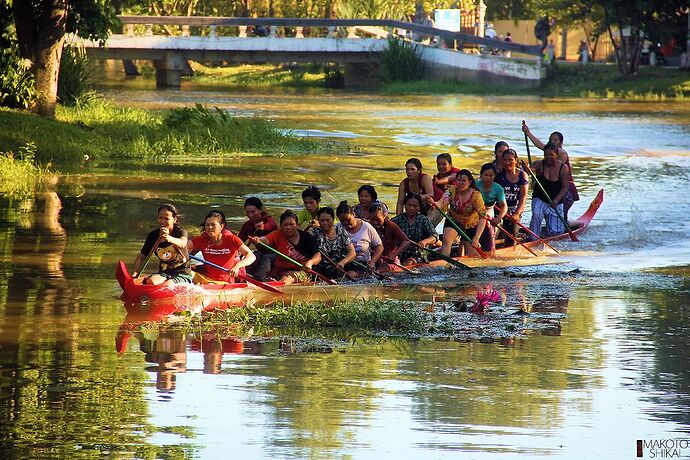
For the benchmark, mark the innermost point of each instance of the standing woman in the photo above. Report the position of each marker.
(418, 229)
(515, 185)
(294, 243)
(553, 176)
(334, 244)
(556, 138)
(171, 250)
(492, 194)
(466, 207)
(420, 183)
(221, 247)
(367, 243)
(367, 197)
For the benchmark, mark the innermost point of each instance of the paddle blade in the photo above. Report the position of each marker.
(261, 284)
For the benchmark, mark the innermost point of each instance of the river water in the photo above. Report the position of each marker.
(613, 372)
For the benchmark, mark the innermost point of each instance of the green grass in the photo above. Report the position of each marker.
(18, 173)
(102, 130)
(593, 81)
(261, 75)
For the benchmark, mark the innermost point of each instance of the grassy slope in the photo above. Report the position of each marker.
(101, 130)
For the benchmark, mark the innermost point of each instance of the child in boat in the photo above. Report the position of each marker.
(295, 244)
(466, 207)
(446, 172)
(492, 194)
(418, 228)
(259, 223)
(221, 247)
(367, 242)
(395, 242)
(311, 197)
(367, 197)
(169, 243)
(335, 246)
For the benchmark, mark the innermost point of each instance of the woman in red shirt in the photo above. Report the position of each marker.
(220, 246)
(294, 243)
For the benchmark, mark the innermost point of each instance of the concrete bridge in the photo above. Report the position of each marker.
(358, 43)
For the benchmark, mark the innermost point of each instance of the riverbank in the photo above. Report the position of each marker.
(18, 171)
(594, 81)
(101, 130)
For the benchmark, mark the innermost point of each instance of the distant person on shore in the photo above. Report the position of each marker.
(542, 30)
(508, 39)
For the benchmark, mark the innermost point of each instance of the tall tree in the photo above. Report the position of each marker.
(629, 23)
(41, 27)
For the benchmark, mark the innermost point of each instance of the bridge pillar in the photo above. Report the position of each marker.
(169, 70)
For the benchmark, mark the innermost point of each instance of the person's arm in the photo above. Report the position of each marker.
(401, 199)
(503, 206)
(145, 250)
(563, 156)
(313, 260)
(269, 224)
(351, 254)
(565, 182)
(378, 252)
(248, 258)
(524, 191)
(180, 243)
(138, 262)
(535, 140)
(429, 229)
(403, 242)
(427, 186)
(480, 208)
(445, 180)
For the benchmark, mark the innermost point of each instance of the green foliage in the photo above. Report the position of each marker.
(402, 61)
(18, 173)
(334, 74)
(261, 75)
(103, 131)
(74, 83)
(372, 315)
(17, 89)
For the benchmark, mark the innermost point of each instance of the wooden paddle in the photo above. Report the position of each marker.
(336, 266)
(516, 240)
(460, 232)
(404, 268)
(444, 257)
(246, 278)
(291, 260)
(148, 257)
(529, 157)
(527, 229)
(567, 227)
(366, 267)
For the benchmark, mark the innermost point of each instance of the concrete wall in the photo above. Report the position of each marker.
(444, 64)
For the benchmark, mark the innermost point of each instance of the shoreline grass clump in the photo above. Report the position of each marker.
(371, 316)
(18, 172)
(99, 130)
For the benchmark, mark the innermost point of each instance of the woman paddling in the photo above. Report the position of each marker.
(556, 138)
(170, 244)
(466, 208)
(395, 242)
(334, 244)
(367, 243)
(515, 185)
(259, 223)
(221, 247)
(367, 197)
(553, 176)
(294, 243)
(421, 183)
(492, 194)
(418, 229)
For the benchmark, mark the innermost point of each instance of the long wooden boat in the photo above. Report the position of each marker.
(208, 296)
(577, 226)
(177, 297)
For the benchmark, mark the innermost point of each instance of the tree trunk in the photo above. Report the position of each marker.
(41, 34)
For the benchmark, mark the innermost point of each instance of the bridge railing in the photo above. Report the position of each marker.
(310, 27)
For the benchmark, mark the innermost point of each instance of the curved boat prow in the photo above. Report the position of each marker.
(122, 275)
